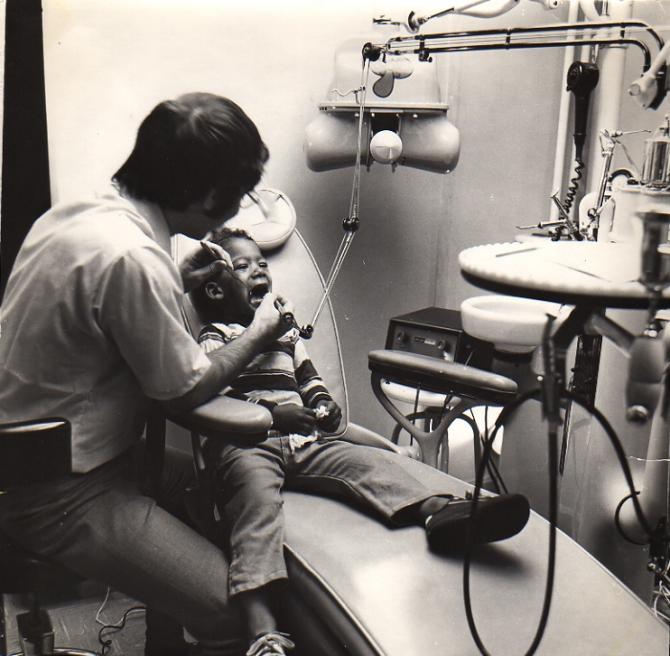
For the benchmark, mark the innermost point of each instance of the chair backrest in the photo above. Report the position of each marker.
(296, 276)
(34, 451)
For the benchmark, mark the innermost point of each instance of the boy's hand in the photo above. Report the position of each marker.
(290, 418)
(328, 415)
(202, 264)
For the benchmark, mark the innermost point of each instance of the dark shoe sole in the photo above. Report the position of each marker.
(497, 518)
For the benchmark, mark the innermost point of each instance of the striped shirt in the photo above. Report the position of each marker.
(281, 374)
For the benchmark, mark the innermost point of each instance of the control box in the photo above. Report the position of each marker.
(437, 332)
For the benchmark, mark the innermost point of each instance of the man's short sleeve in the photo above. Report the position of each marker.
(138, 306)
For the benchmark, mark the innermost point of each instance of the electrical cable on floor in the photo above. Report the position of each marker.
(112, 626)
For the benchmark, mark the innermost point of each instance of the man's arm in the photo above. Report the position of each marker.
(230, 360)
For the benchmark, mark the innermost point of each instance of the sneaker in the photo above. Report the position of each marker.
(497, 518)
(270, 644)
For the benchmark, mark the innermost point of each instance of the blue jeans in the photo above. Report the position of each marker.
(101, 526)
(249, 481)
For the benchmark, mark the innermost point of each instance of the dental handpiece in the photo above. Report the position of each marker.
(288, 318)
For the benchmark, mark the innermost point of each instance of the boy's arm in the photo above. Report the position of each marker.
(310, 385)
(313, 390)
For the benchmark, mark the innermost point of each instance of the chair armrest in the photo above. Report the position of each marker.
(441, 376)
(225, 417)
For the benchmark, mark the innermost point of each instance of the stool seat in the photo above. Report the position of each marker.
(22, 571)
(34, 452)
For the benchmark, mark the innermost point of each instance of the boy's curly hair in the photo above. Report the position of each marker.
(223, 234)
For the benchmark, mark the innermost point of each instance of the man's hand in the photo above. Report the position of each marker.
(328, 415)
(290, 418)
(202, 264)
(267, 323)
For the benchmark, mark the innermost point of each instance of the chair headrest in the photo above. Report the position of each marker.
(268, 216)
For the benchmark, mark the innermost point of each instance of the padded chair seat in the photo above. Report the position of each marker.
(438, 375)
(380, 591)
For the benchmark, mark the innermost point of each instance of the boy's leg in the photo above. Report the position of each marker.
(101, 526)
(249, 482)
(365, 475)
(376, 479)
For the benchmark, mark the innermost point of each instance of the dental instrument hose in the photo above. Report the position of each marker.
(350, 224)
(535, 394)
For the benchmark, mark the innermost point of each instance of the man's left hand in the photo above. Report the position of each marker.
(202, 264)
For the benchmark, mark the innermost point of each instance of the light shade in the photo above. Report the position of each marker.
(429, 141)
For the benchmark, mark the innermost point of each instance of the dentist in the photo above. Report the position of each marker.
(92, 331)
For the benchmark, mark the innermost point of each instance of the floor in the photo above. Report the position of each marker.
(75, 625)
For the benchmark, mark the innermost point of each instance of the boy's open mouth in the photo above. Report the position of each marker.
(257, 292)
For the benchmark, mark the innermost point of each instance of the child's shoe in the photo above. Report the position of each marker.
(497, 518)
(270, 644)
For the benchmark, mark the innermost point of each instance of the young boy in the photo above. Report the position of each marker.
(249, 479)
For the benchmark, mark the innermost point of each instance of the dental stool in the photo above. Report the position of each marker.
(467, 386)
(33, 452)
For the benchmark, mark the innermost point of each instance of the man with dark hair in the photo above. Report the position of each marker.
(188, 148)
(87, 282)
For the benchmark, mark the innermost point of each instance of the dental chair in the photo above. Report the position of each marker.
(362, 588)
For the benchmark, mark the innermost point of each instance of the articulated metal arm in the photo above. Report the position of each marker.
(650, 88)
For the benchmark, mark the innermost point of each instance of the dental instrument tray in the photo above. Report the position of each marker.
(603, 274)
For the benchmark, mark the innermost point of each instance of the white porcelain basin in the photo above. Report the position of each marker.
(511, 323)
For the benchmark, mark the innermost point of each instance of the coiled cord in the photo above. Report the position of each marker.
(574, 184)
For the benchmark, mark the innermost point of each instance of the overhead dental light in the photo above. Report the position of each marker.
(404, 119)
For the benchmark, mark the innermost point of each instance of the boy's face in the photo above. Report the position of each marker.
(241, 291)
